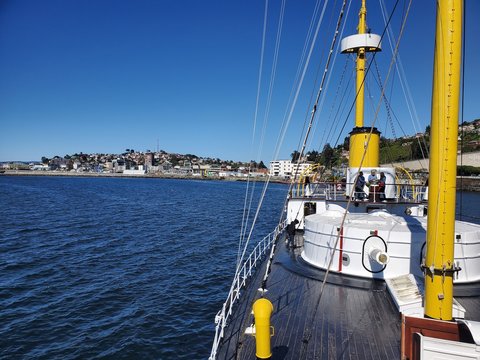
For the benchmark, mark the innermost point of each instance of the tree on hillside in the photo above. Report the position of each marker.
(418, 150)
(261, 165)
(328, 156)
(313, 156)
(174, 160)
(295, 156)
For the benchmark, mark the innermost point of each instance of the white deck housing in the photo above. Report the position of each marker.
(401, 237)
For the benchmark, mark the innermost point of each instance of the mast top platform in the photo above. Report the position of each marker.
(367, 42)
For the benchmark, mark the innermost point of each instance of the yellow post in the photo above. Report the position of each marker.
(360, 89)
(262, 310)
(443, 161)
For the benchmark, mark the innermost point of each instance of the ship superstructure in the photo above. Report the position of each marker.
(375, 251)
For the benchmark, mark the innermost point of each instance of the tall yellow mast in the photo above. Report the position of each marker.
(439, 262)
(361, 43)
(360, 89)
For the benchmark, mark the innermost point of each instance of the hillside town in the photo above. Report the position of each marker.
(162, 163)
(139, 163)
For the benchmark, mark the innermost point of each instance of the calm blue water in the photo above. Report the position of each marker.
(120, 268)
(117, 268)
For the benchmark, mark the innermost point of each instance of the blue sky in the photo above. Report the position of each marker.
(100, 76)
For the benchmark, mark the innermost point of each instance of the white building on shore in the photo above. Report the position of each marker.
(287, 169)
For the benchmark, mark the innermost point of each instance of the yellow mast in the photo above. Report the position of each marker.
(359, 105)
(439, 262)
(360, 139)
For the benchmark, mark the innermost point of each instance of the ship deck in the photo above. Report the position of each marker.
(353, 319)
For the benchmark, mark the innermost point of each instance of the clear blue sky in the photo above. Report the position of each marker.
(105, 75)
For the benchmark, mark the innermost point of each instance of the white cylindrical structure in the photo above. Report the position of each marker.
(352, 43)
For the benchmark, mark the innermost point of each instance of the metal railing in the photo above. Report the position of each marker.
(240, 279)
(404, 192)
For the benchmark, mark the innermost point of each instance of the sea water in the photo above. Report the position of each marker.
(118, 268)
(122, 268)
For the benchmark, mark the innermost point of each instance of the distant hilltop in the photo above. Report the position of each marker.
(133, 162)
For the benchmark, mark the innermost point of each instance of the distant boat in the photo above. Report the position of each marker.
(373, 267)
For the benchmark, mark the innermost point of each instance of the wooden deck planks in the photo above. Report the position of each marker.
(350, 323)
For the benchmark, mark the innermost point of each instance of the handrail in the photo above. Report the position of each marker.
(238, 282)
(303, 174)
(406, 192)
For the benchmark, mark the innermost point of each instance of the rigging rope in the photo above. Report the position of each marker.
(300, 83)
(307, 333)
(326, 71)
(320, 90)
(304, 53)
(326, 136)
(412, 110)
(283, 133)
(387, 104)
(260, 71)
(367, 71)
(320, 108)
(389, 111)
(265, 120)
(462, 102)
(272, 77)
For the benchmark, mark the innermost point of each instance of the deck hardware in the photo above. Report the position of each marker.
(262, 310)
(443, 271)
(375, 249)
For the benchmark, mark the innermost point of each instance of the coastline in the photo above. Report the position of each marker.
(464, 183)
(142, 176)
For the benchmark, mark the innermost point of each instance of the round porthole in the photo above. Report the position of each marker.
(345, 260)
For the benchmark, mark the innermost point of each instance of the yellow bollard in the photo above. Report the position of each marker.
(262, 309)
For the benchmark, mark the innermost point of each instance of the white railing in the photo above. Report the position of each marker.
(403, 192)
(239, 281)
